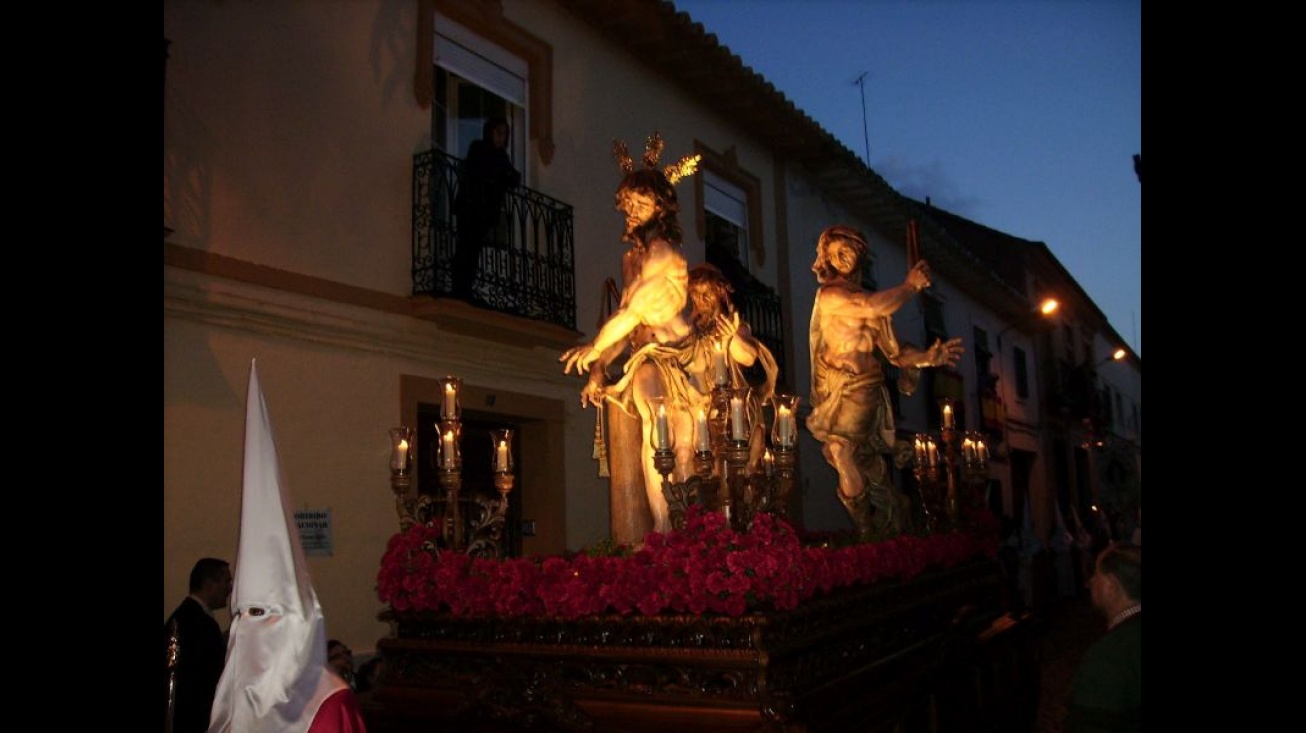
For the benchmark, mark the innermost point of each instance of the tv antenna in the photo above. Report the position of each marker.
(860, 81)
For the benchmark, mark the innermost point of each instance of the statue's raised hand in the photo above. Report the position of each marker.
(727, 325)
(919, 276)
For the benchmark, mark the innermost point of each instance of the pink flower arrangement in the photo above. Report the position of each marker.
(707, 567)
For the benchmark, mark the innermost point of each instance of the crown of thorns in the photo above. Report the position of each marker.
(686, 166)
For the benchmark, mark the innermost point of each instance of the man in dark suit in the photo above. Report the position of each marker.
(201, 649)
(1106, 695)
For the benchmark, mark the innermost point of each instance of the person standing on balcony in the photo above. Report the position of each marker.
(852, 414)
(487, 175)
(652, 323)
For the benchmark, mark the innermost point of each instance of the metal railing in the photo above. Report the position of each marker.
(529, 271)
(761, 311)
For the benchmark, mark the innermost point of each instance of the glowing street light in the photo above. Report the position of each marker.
(1116, 355)
(1046, 307)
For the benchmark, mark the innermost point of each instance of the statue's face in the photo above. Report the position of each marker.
(705, 299)
(841, 255)
(638, 207)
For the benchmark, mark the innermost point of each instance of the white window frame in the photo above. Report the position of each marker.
(472, 59)
(730, 202)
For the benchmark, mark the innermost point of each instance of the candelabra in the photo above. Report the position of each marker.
(950, 479)
(723, 479)
(472, 524)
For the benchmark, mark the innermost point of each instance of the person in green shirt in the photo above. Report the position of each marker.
(1106, 694)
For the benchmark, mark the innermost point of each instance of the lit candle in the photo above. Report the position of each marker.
(719, 371)
(947, 416)
(399, 461)
(934, 453)
(663, 438)
(968, 451)
(501, 457)
(737, 431)
(920, 451)
(703, 438)
(446, 450)
(784, 420)
(450, 401)
(983, 452)
(768, 462)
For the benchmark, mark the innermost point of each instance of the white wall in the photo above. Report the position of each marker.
(289, 131)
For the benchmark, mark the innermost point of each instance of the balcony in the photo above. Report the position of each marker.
(528, 273)
(1075, 390)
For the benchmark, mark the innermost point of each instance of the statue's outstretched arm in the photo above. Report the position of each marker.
(940, 353)
(611, 336)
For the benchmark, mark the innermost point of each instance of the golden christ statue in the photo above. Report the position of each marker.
(653, 325)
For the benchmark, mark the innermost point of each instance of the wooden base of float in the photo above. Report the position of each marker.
(934, 653)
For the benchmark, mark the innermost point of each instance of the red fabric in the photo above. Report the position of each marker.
(339, 714)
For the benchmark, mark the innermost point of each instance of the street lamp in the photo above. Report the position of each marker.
(1046, 307)
(1116, 355)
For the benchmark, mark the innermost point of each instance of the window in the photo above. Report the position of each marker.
(991, 417)
(482, 29)
(725, 211)
(470, 107)
(934, 324)
(729, 219)
(1022, 372)
(983, 356)
(476, 80)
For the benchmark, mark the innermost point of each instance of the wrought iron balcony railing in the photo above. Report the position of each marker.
(528, 272)
(761, 311)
